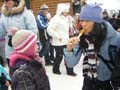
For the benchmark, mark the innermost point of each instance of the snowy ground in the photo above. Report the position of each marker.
(64, 81)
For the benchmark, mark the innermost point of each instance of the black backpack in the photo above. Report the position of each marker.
(113, 65)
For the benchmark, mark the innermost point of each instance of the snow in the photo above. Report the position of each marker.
(64, 81)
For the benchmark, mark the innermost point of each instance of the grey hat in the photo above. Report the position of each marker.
(44, 7)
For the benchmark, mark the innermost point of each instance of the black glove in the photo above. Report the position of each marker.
(10, 40)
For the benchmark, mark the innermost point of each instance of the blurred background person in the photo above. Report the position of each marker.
(76, 6)
(116, 23)
(42, 22)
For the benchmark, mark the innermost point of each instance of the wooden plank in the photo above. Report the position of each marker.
(52, 4)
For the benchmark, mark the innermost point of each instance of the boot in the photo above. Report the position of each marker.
(71, 72)
(56, 69)
(56, 64)
(47, 59)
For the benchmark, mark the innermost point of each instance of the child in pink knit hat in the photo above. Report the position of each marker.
(26, 66)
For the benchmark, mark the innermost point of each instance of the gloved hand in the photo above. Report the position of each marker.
(12, 31)
(10, 40)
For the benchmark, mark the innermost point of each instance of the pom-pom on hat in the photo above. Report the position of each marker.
(91, 12)
(24, 42)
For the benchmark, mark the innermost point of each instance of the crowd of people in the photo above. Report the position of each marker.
(29, 43)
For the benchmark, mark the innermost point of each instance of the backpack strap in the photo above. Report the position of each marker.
(114, 57)
(106, 62)
(113, 54)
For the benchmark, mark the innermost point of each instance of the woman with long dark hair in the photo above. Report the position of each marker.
(100, 45)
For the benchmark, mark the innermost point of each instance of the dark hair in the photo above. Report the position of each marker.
(16, 1)
(98, 35)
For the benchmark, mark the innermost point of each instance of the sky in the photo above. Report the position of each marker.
(107, 4)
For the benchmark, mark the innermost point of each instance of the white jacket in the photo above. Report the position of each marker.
(58, 29)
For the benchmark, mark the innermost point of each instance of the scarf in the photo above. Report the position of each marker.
(15, 56)
(90, 61)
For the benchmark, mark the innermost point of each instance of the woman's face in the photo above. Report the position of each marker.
(87, 25)
(9, 3)
(65, 13)
(45, 12)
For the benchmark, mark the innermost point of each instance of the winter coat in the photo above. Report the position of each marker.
(109, 48)
(20, 19)
(42, 21)
(58, 28)
(29, 75)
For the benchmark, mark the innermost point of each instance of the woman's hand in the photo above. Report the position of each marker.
(72, 42)
(7, 83)
(118, 29)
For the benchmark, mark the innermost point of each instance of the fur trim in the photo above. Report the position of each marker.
(14, 10)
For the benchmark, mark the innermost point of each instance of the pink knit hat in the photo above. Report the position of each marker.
(24, 42)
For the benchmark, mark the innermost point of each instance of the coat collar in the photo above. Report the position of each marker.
(14, 10)
(110, 30)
